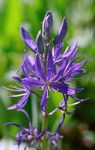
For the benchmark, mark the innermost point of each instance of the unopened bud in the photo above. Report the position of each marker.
(40, 43)
(62, 32)
(47, 26)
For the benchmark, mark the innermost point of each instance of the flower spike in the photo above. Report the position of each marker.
(50, 70)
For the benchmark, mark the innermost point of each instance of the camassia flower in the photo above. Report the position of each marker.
(50, 69)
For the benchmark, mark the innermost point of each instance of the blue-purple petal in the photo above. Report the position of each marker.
(51, 69)
(62, 32)
(44, 100)
(27, 39)
(30, 63)
(39, 68)
(61, 122)
(60, 72)
(72, 90)
(60, 87)
(74, 69)
(65, 88)
(58, 50)
(32, 82)
(17, 78)
(21, 103)
(24, 70)
(70, 53)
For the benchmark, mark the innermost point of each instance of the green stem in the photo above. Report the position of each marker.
(45, 118)
(45, 123)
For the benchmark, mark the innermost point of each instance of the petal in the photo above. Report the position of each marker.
(31, 82)
(60, 87)
(39, 68)
(59, 61)
(27, 116)
(24, 70)
(21, 103)
(71, 53)
(65, 88)
(47, 25)
(54, 139)
(44, 101)
(60, 123)
(17, 78)
(78, 99)
(29, 62)
(74, 69)
(58, 50)
(74, 72)
(78, 65)
(27, 39)
(41, 135)
(60, 72)
(51, 69)
(72, 90)
(62, 32)
(13, 124)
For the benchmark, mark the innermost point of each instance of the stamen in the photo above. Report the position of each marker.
(18, 95)
(18, 90)
(52, 112)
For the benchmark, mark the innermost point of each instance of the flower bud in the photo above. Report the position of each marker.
(40, 43)
(47, 26)
(62, 32)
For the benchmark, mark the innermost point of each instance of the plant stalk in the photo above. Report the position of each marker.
(45, 123)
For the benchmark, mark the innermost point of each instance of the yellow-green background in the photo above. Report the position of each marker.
(79, 129)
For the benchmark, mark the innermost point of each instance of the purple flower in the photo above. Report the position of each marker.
(55, 78)
(51, 69)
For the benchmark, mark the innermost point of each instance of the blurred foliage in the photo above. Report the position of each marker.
(78, 129)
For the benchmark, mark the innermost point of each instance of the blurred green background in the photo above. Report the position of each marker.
(78, 129)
